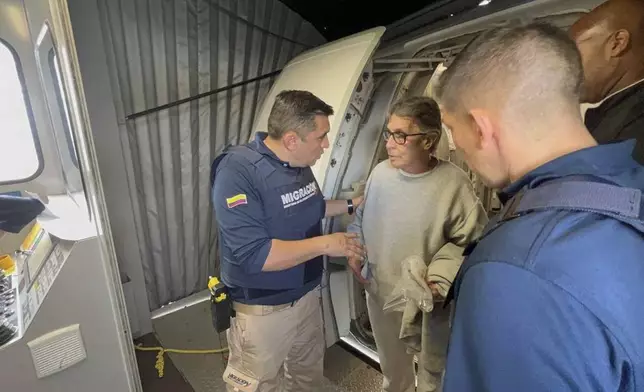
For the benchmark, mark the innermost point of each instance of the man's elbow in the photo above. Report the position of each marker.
(254, 255)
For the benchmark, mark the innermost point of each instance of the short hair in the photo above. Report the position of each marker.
(533, 66)
(295, 110)
(424, 113)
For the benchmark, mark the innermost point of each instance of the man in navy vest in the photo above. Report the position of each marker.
(550, 299)
(269, 209)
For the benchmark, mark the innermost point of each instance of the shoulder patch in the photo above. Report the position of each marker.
(236, 200)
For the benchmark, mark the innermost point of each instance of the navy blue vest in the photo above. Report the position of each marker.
(293, 208)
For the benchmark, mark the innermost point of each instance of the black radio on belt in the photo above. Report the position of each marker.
(220, 305)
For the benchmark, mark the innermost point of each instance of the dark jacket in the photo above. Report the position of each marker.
(553, 300)
(619, 118)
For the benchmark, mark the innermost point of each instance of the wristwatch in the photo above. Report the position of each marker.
(350, 204)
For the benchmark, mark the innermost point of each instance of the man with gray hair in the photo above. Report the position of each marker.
(550, 298)
(416, 207)
(269, 209)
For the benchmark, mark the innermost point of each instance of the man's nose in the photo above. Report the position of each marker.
(325, 142)
(391, 144)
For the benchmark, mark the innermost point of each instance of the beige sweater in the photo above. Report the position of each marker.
(416, 215)
(433, 216)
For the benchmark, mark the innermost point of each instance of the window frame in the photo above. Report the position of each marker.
(30, 117)
(68, 126)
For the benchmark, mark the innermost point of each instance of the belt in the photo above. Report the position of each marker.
(260, 310)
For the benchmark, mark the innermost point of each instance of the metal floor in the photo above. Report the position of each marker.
(191, 328)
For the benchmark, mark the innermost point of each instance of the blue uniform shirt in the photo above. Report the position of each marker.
(258, 198)
(554, 300)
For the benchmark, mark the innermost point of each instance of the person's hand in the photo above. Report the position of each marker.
(433, 286)
(344, 244)
(356, 266)
(357, 201)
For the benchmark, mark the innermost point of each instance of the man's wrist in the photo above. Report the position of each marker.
(320, 244)
(350, 208)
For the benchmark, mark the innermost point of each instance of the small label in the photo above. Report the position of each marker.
(239, 380)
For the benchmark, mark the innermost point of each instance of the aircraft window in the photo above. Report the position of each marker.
(21, 156)
(62, 104)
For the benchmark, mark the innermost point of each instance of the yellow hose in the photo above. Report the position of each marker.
(160, 364)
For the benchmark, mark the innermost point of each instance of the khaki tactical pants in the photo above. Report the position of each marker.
(276, 348)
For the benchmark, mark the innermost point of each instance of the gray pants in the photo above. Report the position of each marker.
(396, 363)
(277, 351)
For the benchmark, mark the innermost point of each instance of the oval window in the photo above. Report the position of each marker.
(19, 154)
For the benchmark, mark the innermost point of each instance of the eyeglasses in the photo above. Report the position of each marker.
(399, 137)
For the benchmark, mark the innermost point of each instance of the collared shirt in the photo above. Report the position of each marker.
(587, 106)
(552, 300)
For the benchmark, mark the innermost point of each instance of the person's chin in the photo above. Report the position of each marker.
(394, 161)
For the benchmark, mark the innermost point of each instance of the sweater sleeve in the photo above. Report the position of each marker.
(467, 221)
(356, 225)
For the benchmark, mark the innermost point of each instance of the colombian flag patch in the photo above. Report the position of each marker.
(236, 200)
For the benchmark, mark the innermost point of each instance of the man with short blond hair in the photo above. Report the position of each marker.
(550, 299)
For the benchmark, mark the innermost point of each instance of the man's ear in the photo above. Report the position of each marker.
(428, 142)
(483, 126)
(290, 140)
(620, 43)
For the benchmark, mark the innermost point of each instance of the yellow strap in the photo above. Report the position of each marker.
(160, 363)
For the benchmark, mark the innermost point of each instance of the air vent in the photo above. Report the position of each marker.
(57, 350)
